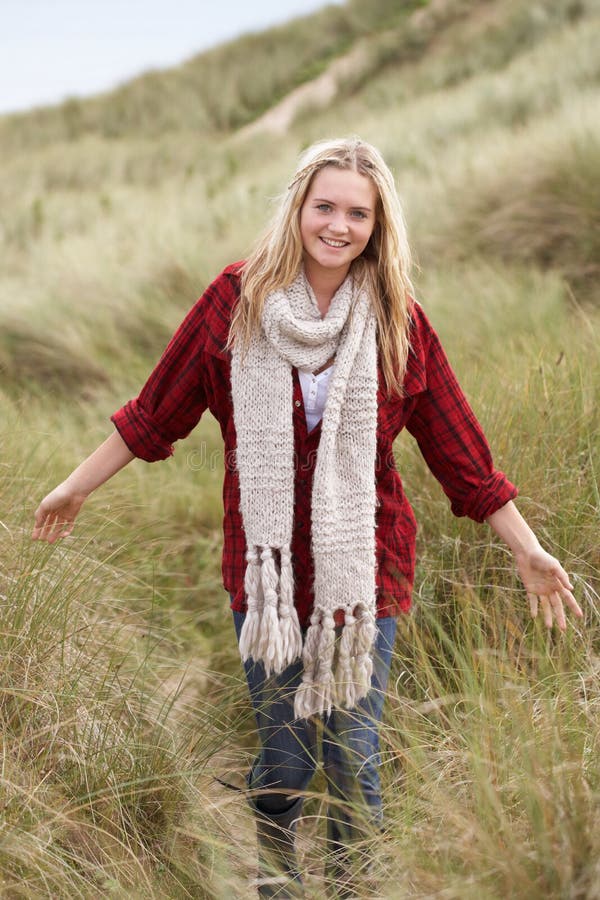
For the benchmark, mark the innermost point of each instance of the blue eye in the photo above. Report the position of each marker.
(358, 213)
(324, 207)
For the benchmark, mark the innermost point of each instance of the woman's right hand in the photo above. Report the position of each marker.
(56, 514)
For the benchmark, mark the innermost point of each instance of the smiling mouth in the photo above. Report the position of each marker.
(335, 244)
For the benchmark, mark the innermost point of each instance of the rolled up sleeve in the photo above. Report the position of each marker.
(452, 440)
(173, 399)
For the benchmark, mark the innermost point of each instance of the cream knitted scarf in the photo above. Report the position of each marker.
(343, 500)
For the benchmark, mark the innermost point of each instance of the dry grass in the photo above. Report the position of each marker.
(546, 212)
(120, 696)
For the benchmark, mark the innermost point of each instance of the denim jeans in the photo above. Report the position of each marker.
(350, 743)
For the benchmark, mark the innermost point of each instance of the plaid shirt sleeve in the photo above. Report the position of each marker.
(450, 437)
(174, 397)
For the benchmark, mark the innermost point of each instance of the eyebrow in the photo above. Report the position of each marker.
(331, 203)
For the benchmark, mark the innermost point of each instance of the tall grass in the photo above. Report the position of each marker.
(121, 692)
(546, 212)
(122, 697)
(490, 747)
(106, 708)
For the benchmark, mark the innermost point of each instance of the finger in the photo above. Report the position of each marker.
(557, 608)
(39, 520)
(46, 526)
(561, 576)
(58, 528)
(41, 531)
(572, 603)
(52, 528)
(38, 517)
(533, 604)
(546, 610)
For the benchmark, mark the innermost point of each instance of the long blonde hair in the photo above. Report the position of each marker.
(383, 267)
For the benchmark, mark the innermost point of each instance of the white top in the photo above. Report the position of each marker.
(314, 394)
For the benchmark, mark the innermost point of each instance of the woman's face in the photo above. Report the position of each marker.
(337, 219)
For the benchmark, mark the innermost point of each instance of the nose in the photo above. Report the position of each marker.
(338, 225)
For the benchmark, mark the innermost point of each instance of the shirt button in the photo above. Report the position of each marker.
(296, 403)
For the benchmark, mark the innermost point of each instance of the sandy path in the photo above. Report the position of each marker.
(321, 91)
(314, 94)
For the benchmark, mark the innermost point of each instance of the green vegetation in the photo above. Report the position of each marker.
(546, 213)
(120, 696)
(218, 90)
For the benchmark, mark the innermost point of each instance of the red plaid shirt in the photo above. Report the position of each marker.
(194, 374)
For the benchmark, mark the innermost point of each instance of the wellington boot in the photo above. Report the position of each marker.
(278, 874)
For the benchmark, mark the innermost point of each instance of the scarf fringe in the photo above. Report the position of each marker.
(320, 689)
(271, 632)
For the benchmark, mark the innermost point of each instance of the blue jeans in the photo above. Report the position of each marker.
(350, 738)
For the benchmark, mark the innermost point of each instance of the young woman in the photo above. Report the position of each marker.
(312, 355)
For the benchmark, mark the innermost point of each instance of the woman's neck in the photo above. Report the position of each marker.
(325, 285)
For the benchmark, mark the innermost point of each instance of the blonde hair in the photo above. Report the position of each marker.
(383, 267)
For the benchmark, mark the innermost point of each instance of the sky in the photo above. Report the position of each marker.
(53, 49)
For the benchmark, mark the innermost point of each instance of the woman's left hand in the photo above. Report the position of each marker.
(547, 585)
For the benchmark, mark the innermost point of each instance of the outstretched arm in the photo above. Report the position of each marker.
(56, 514)
(168, 407)
(546, 582)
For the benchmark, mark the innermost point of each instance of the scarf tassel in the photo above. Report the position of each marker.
(271, 631)
(307, 699)
(250, 636)
(362, 663)
(346, 688)
(319, 688)
(291, 634)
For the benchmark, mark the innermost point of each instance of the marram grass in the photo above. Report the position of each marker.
(122, 698)
(122, 694)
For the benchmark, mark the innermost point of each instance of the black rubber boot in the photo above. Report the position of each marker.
(340, 874)
(349, 872)
(347, 881)
(278, 874)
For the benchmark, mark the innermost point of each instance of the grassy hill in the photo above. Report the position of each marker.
(220, 89)
(120, 696)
